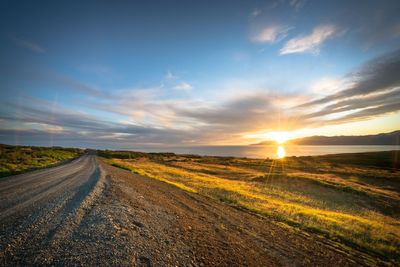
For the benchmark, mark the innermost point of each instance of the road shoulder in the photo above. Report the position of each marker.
(164, 225)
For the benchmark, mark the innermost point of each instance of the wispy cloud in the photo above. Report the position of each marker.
(358, 107)
(169, 76)
(327, 86)
(140, 116)
(173, 81)
(373, 90)
(256, 12)
(271, 34)
(183, 86)
(36, 121)
(28, 45)
(59, 79)
(377, 75)
(297, 4)
(310, 43)
(48, 77)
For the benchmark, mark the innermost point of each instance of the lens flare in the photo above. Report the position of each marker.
(280, 153)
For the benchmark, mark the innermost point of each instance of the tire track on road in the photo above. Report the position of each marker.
(34, 222)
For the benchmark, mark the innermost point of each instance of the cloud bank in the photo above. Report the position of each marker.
(147, 118)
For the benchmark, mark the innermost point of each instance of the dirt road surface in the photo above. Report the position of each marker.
(89, 213)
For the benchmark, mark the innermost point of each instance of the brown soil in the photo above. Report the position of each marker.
(96, 214)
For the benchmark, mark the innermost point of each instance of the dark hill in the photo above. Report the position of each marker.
(392, 138)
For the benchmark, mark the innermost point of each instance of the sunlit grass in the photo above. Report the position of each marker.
(322, 197)
(16, 159)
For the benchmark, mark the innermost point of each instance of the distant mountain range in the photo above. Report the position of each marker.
(392, 138)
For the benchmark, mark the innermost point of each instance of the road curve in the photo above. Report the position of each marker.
(40, 209)
(87, 212)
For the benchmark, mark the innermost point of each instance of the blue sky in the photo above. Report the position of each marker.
(122, 74)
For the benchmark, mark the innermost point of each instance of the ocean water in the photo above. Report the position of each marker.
(261, 151)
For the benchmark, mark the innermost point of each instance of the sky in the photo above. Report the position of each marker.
(126, 74)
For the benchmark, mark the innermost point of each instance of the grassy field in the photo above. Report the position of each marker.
(17, 159)
(351, 198)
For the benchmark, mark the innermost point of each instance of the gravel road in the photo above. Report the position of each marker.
(89, 213)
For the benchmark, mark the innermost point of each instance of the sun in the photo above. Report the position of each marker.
(280, 137)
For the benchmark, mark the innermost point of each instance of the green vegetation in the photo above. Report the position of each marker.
(17, 159)
(353, 199)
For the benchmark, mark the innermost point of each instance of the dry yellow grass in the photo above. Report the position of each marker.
(331, 202)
